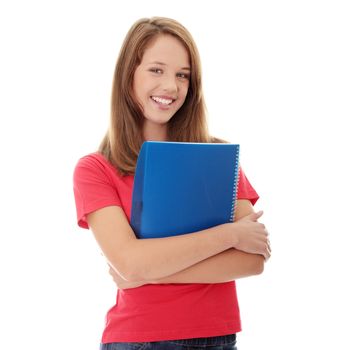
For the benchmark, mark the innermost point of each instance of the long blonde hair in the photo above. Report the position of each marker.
(123, 140)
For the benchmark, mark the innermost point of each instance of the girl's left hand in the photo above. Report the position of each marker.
(121, 283)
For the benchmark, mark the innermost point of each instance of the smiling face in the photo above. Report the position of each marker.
(161, 81)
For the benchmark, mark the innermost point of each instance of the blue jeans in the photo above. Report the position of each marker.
(226, 342)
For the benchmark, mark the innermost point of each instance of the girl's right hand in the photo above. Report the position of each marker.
(251, 236)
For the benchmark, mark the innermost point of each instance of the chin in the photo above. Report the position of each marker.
(160, 120)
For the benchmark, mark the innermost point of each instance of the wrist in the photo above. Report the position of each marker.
(230, 235)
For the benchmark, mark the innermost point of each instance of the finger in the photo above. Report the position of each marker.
(267, 254)
(255, 216)
(268, 250)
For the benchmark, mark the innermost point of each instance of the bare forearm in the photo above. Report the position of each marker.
(157, 258)
(205, 254)
(150, 259)
(223, 267)
(153, 259)
(226, 266)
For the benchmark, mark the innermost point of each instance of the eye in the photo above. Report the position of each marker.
(185, 76)
(156, 70)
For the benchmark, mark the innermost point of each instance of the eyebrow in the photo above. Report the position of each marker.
(163, 64)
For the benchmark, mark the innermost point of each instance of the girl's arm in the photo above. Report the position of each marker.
(153, 259)
(226, 266)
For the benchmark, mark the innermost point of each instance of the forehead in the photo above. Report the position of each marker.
(166, 49)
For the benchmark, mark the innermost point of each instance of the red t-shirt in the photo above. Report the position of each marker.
(155, 312)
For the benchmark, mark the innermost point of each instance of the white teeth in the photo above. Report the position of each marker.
(162, 100)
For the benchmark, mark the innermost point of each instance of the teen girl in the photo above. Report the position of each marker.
(175, 292)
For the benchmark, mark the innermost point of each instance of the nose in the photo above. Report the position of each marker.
(169, 83)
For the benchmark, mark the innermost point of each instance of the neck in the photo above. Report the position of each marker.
(154, 132)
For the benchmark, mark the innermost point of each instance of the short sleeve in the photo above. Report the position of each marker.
(93, 188)
(245, 189)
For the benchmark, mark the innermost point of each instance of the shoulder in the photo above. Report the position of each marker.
(92, 160)
(94, 163)
(94, 170)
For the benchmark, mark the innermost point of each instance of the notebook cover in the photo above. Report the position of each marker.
(183, 187)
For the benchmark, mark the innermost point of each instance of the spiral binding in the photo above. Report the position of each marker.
(235, 187)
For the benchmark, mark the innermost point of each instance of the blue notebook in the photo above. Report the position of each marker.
(183, 187)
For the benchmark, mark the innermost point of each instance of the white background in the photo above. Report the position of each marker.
(276, 80)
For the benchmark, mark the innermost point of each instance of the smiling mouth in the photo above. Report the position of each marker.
(162, 101)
